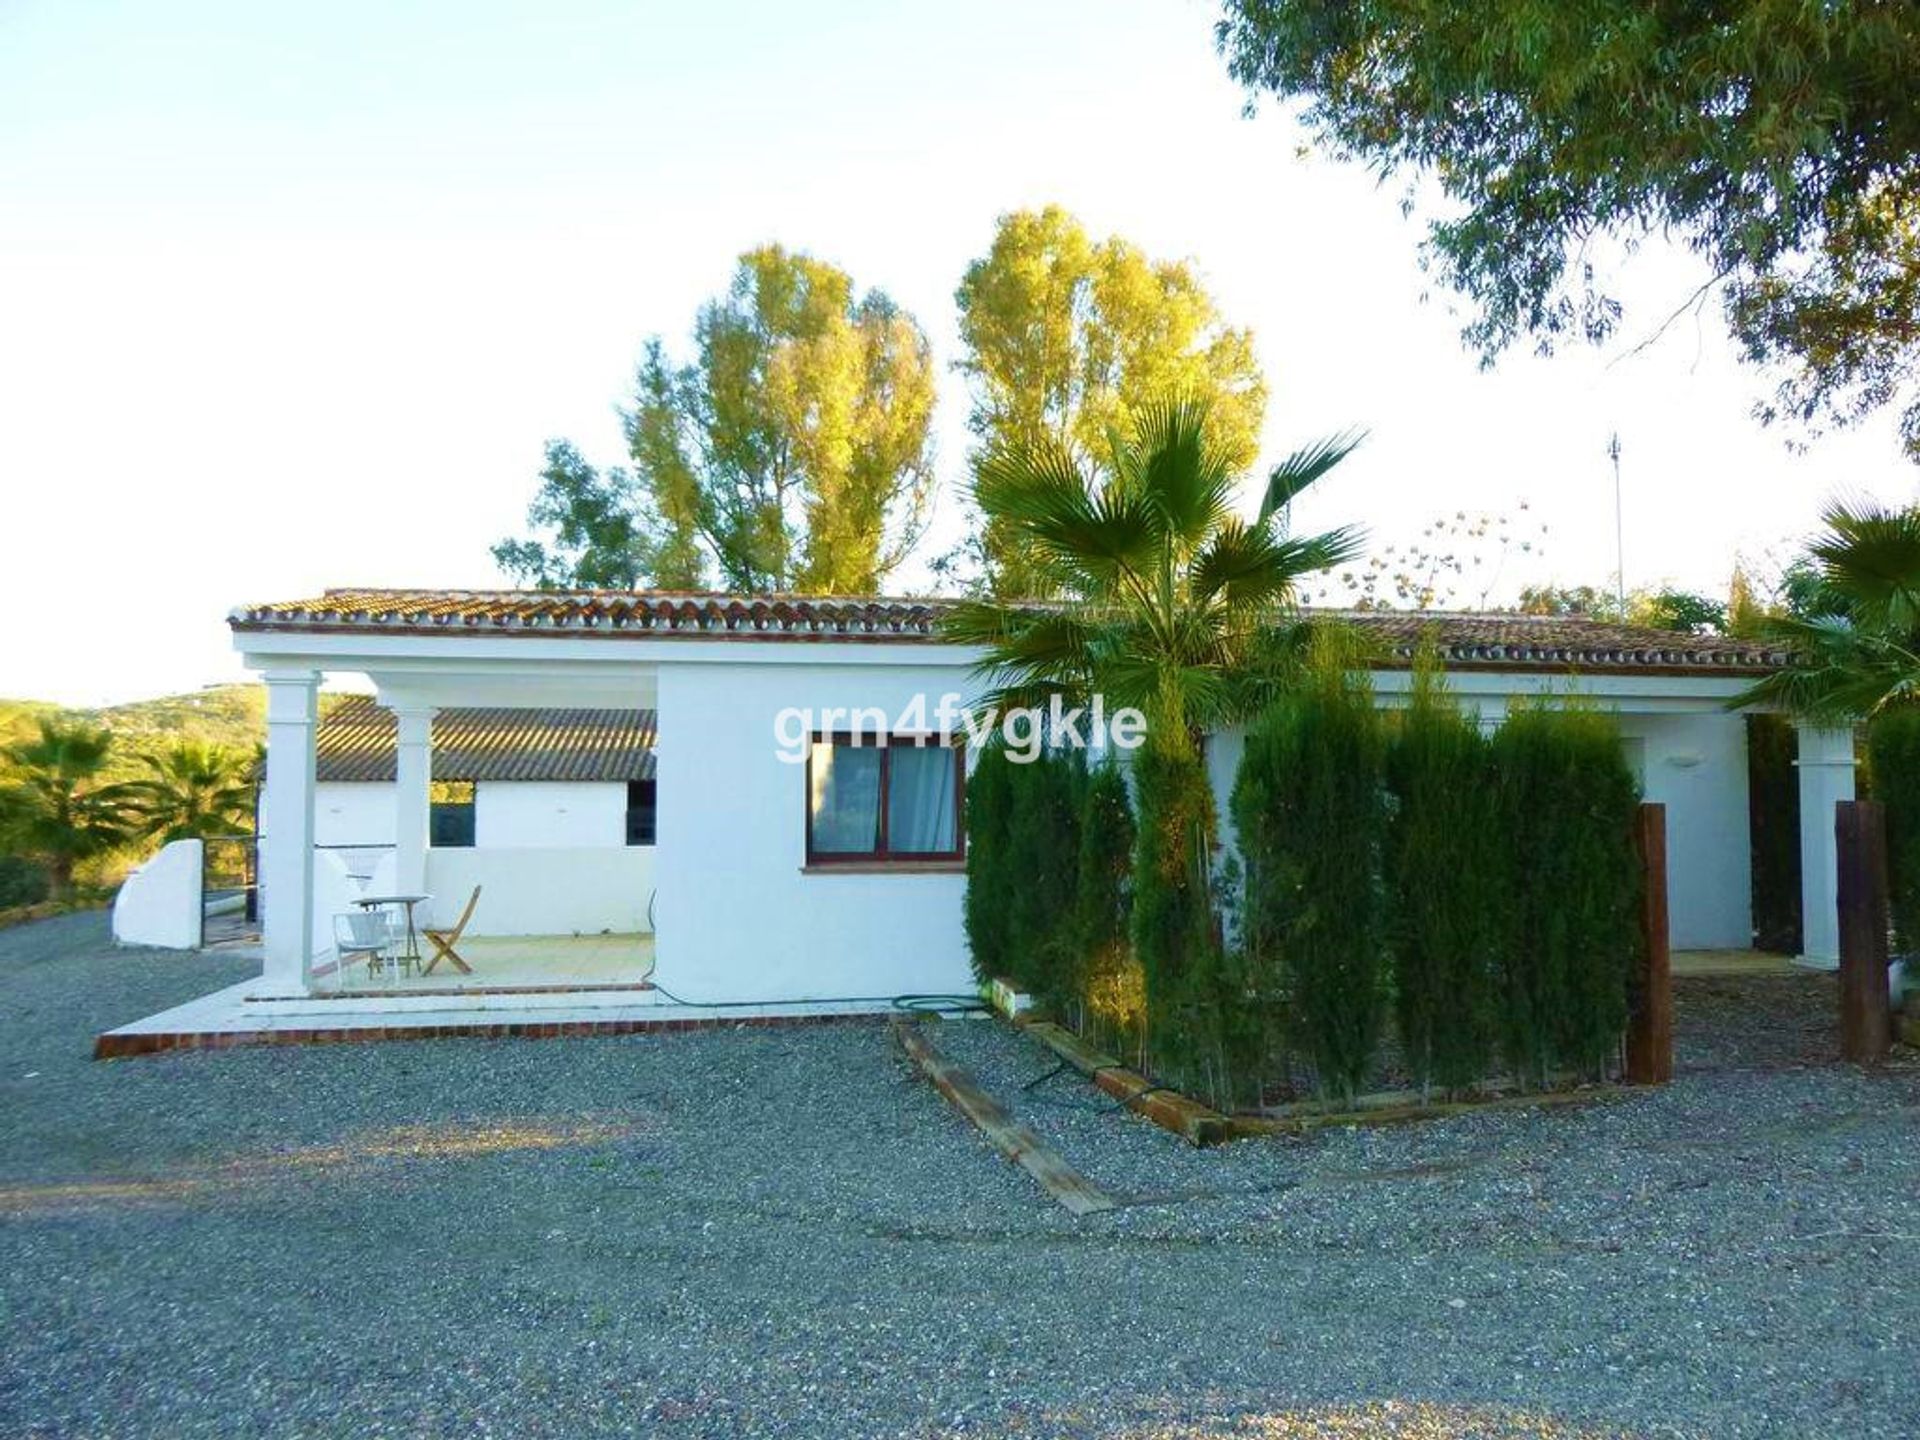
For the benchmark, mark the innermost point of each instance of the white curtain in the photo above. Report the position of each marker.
(920, 799)
(846, 799)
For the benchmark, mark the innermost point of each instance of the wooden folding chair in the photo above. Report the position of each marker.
(443, 941)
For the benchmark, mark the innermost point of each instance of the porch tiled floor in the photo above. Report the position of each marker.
(512, 963)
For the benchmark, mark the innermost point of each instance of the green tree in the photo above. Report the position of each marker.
(1448, 875)
(1893, 754)
(1855, 648)
(603, 532)
(1043, 859)
(1067, 338)
(793, 453)
(192, 789)
(989, 881)
(1682, 611)
(1779, 140)
(54, 804)
(1569, 803)
(1308, 813)
(1107, 986)
(1170, 603)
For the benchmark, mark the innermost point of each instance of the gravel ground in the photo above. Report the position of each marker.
(782, 1232)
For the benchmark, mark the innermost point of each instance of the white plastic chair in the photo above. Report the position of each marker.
(361, 932)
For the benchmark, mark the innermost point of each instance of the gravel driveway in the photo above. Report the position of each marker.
(781, 1232)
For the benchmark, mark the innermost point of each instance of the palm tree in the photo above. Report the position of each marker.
(1163, 598)
(51, 804)
(193, 790)
(1160, 596)
(1857, 650)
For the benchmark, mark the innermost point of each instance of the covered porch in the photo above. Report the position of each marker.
(566, 909)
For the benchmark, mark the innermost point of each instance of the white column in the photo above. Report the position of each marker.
(286, 830)
(1826, 778)
(412, 797)
(1492, 713)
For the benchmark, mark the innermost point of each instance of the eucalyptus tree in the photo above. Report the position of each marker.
(794, 451)
(1777, 140)
(1067, 337)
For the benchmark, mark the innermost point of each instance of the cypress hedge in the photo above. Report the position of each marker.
(989, 813)
(1108, 988)
(1569, 803)
(1042, 874)
(1448, 873)
(1893, 756)
(1307, 808)
(1172, 919)
(1773, 787)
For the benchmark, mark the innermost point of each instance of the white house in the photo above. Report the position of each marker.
(791, 866)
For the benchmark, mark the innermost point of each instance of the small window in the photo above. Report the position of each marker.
(451, 823)
(883, 800)
(641, 812)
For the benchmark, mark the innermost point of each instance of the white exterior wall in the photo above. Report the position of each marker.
(1696, 766)
(528, 814)
(546, 814)
(544, 890)
(738, 918)
(353, 813)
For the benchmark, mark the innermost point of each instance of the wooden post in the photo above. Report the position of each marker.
(1650, 1027)
(1866, 1020)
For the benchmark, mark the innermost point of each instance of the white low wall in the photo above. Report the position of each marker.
(549, 814)
(353, 813)
(542, 890)
(159, 903)
(558, 814)
(334, 892)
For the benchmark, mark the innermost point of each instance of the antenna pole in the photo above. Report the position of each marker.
(1619, 530)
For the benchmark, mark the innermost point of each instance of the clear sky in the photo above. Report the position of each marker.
(291, 296)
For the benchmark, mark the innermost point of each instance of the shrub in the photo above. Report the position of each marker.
(22, 882)
(1774, 838)
(1569, 803)
(1041, 876)
(1893, 752)
(1172, 920)
(1307, 809)
(1448, 878)
(989, 808)
(1108, 986)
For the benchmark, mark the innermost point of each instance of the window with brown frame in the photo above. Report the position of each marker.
(884, 800)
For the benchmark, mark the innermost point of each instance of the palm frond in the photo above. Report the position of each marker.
(1184, 478)
(1304, 466)
(1840, 671)
(1870, 557)
(1081, 537)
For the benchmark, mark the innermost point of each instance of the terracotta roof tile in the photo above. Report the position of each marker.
(355, 741)
(1465, 640)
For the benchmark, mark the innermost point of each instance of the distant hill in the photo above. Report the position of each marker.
(233, 715)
